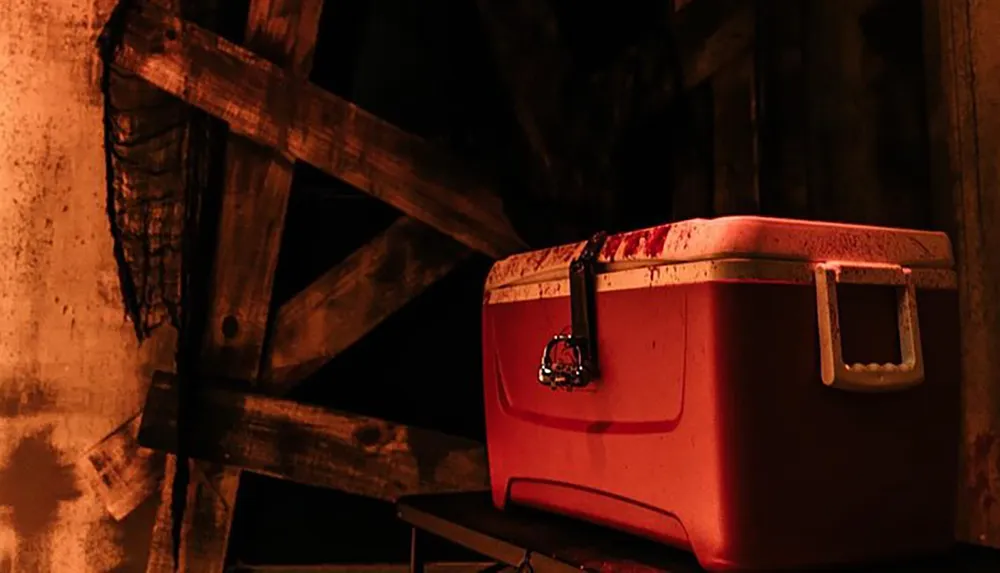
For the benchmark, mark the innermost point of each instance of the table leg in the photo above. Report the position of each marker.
(416, 553)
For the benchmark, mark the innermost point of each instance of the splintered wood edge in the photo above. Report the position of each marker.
(120, 472)
(316, 446)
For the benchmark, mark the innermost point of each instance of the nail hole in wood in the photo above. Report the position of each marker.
(230, 327)
(368, 435)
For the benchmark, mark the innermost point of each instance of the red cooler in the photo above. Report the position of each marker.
(767, 393)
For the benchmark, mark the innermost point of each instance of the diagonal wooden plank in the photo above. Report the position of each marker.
(351, 299)
(253, 207)
(710, 34)
(313, 445)
(260, 101)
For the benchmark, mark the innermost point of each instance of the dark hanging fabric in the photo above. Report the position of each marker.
(157, 156)
(145, 135)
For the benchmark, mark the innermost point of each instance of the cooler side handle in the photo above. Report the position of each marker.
(868, 377)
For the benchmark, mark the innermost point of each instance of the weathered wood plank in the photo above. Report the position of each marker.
(279, 110)
(312, 445)
(964, 110)
(736, 166)
(254, 203)
(352, 298)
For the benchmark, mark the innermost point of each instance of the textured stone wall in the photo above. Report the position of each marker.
(70, 369)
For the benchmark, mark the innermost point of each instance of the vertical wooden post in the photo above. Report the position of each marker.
(781, 110)
(254, 202)
(736, 166)
(963, 52)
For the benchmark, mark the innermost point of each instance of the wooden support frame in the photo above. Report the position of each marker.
(145, 468)
(419, 255)
(255, 197)
(277, 109)
(338, 309)
(312, 445)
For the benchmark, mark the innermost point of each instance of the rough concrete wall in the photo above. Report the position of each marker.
(70, 370)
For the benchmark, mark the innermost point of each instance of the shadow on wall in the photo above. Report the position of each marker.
(34, 480)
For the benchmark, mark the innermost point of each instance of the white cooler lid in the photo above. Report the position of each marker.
(738, 237)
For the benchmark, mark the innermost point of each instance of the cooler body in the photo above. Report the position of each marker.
(721, 420)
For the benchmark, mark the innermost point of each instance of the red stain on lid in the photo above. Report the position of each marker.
(656, 239)
(632, 242)
(647, 242)
(610, 247)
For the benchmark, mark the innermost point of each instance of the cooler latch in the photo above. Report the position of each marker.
(569, 361)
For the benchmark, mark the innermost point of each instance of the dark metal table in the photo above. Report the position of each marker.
(536, 542)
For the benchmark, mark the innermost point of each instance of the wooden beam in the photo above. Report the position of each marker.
(312, 445)
(964, 109)
(352, 298)
(254, 203)
(277, 109)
